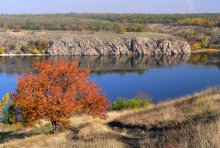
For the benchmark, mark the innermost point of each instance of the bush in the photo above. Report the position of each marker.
(7, 111)
(134, 103)
(12, 47)
(136, 28)
(138, 103)
(204, 41)
(4, 103)
(196, 46)
(10, 115)
(17, 29)
(140, 28)
(25, 49)
(2, 50)
(120, 104)
(122, 30)
(35, 51)
(41, 45)
(5, 28)
(196, 38)
(119, 28)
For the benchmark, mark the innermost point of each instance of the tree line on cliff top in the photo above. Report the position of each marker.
(105, 21)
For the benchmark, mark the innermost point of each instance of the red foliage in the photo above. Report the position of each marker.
(56, 91)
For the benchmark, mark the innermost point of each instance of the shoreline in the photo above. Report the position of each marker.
(207, 50)
(17, 55)
(21, 55)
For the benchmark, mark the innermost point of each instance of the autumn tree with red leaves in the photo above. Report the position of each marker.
(57, 91)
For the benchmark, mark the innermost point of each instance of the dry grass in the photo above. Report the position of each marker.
(62, 141)
(80, 34)
(202, 135)
(191, 121)
(84, 132)
(177, 111)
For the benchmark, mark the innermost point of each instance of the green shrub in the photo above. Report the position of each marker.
(12, 47)
(4, 103)
(134, 103)
(10, 115)
(122, 30)
(119, 104)
(138, 103)
(2, 50)
(8, 112)
(204, 41)
(136, 28)
(25, 49)
(140, 28)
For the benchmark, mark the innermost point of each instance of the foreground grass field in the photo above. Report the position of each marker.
(190, 121)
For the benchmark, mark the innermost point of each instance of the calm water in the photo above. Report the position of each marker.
(162, 77)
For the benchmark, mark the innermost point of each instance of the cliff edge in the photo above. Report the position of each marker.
(78, 43)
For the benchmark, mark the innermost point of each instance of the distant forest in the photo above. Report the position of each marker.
(105, 22)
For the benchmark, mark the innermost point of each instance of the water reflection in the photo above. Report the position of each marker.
(205, 59)
(97, 64)
(123, 76)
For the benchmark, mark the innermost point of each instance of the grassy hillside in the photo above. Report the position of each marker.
(190, 121)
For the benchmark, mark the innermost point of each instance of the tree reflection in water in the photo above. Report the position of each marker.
(108, 64)
(97, 64)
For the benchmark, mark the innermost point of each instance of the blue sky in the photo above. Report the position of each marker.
(109, 6)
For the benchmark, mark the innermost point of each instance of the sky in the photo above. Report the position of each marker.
(108, 6)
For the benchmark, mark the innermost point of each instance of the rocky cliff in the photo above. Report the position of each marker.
(118, 46)
(99, 45)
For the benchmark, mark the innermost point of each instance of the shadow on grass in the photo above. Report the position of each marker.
(12, 135)
(6, 136)
(206, 117)
(164, 132)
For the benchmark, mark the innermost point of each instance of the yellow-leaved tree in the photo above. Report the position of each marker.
(4, 103)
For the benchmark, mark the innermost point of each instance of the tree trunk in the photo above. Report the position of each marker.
(54, 125)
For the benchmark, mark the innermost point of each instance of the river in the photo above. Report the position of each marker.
(163, 77)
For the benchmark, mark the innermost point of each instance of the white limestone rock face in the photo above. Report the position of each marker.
(102, 46)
